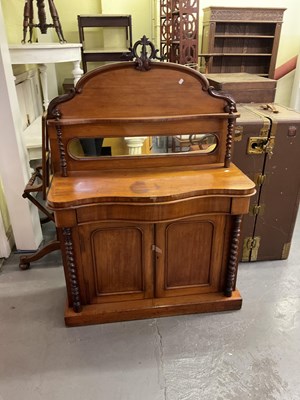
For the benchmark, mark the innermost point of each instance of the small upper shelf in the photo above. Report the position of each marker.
(106, 53)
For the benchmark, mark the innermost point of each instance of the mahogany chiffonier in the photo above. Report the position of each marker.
(148, 235)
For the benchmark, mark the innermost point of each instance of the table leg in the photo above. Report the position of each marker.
(77, 71)
(44, 84)
(135, 144)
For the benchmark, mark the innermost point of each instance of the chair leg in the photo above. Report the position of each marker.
(26, 260)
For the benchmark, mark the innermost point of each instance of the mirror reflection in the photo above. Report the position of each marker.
(203, 143)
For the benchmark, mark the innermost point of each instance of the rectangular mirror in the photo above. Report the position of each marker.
(202, 143)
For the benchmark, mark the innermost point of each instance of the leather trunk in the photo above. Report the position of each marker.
(266, 148)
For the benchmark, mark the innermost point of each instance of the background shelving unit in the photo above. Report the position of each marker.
(240, 40)
(104, 54)
(179, 30)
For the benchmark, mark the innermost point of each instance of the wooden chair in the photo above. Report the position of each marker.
(39, 184)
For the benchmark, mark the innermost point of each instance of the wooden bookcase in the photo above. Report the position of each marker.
(240, 40)
(179, 30)
(104, 54)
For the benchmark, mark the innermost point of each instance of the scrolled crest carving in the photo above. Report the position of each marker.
(143, 60)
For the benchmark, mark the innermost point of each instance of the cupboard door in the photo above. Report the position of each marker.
(117, 261)
(189, 255)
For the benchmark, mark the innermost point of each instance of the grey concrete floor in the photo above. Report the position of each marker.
(253, 353)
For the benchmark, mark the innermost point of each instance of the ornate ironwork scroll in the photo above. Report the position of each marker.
(42, 25)
(72, 270)
(233, 256)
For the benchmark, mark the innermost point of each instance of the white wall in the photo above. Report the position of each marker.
(295, 97)
(140, 10)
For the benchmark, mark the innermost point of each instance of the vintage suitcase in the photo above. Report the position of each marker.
(267, 149)
(243, 87)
